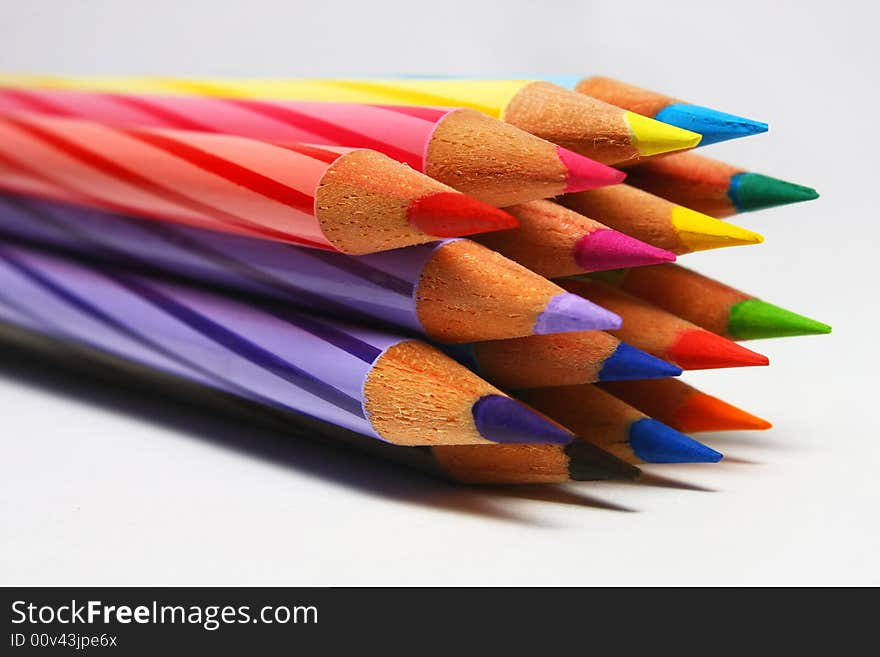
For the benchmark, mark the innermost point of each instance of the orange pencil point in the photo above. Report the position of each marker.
(702, 412)
(684, 407)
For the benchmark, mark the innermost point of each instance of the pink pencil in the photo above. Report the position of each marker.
(338, 199)
(469, 151)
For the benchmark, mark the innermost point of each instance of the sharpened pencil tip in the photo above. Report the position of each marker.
(755, 191)
(754, 319)
(715, 126)
(655, 137)
(501, 419)
(697, 349)
(702, 412)
(628, 363)
(699, 232)
(587, 462)
(655, 442)
(584, 173)
(606, 249)
(452, 214)
(568, 312)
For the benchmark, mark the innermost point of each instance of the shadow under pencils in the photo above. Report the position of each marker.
(305, 450)
(660, 481)
(559, 495)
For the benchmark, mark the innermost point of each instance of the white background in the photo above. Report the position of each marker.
(100, 487)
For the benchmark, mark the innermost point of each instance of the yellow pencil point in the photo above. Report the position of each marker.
(654, 137)
(700, 232)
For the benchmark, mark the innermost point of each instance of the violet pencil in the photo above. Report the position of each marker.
(449, 291)
(378, 384)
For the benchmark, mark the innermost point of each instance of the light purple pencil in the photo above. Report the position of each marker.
(378, 384)
(451, 291)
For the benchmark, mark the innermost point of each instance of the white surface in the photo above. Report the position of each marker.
(97, 494)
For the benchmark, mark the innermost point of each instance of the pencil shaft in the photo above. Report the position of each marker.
(711, 304)
(684, 407)
(663, 334)
(469, 464)
(657, 221)
(321, 197)
(583, 124)
(328, 370)
(478, 155)
(714, 187)
(616, 426)
(437, 289)
(713, 125)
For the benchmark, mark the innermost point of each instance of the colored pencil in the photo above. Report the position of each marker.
(684, 407)
(559, 360)
(663, 334)
(450, 291)
(483, 157)
(713, 125)
(616, 426)
(580, 123)
(655, 220)
(353, 201)
(711, 304)
(381, 385)
(468, 464)
(714, 187)
(554, 241)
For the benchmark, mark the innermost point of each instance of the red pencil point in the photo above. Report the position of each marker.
(606, 249)
(584, 173)
(702, 412)
(697, 349)
(451, 214)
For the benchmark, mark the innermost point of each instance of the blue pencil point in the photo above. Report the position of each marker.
(715, 126)
(628, 363)
(655, 442)
(568, 312)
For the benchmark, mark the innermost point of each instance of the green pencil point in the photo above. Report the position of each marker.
(754, 319)
(755, 191)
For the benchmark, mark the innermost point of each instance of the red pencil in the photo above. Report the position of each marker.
(663, 334)
(354, 201)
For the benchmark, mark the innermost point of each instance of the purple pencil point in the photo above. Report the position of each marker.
(569, 312)
(504, 420)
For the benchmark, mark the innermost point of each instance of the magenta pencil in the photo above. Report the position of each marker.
(451, 291)
(337, 199)
(469, 151)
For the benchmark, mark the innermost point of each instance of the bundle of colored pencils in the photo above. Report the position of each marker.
(469, 276)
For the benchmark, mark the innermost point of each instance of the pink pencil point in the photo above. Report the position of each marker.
(606, 249)
(584, 173)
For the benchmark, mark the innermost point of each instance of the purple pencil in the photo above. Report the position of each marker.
(451, 291)
(378, 384)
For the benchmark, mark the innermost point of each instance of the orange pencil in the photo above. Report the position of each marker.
(684, 407)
